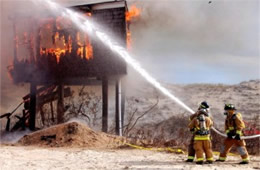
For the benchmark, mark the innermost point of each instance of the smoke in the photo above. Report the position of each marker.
(13, 137)
(10, 94)
(177, 41)
(194, 41)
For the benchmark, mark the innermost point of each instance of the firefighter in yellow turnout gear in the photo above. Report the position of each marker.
(201, 125)
(191, 152)
(233, 127)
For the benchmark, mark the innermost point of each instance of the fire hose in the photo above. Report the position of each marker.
(242, 137)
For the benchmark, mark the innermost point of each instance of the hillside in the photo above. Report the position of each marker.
(245, 96)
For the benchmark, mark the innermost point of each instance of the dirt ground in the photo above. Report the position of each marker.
(30, 158)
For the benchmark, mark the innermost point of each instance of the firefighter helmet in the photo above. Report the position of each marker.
(229, 107)
(204, 105)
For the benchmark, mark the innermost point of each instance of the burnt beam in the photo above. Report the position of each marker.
(104, 104)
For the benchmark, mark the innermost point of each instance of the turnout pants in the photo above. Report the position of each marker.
(228, 143)
(191, 151)
(203, 146)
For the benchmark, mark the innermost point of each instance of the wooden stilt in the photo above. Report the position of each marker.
(118, 115)
(60, 104)
(52, 112)
(104, 104)
(122, 105)
(32, 118)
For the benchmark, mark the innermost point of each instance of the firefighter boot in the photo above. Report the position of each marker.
(191, 151)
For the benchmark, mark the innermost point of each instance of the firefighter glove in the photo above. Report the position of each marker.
(229, 135)
(237, 137)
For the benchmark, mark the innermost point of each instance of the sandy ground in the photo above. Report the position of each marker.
(30, 158)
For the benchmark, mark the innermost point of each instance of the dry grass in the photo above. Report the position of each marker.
(174, 133)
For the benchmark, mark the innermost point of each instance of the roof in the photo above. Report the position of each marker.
(84, 2)
(108, 4)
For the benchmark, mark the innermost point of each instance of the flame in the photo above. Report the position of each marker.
(89, 51)
(69, 46)
(80, 52)
(133, 12)
(57, 36)
(128, 40)
(56, 51)
(88, 14)
(88, 48)
(84, 49)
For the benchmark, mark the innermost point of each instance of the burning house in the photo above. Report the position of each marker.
(60, 55)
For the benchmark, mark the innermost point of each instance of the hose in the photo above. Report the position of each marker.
(242, 137)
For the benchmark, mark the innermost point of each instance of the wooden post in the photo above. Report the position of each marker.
(60, 104)
(104, 104)
(32, 117)
(118, 108)
(24, 119)
(42, 114)
(52, 112)
(122, 105)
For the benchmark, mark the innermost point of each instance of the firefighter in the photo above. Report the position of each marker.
(201, 125)
(233, 128)
(191, 152)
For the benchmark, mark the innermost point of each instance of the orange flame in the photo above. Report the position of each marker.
(128, 40)
(133, 12)
(84, 49)
(88, 14)
(89, 51)
(57, 36)
(69, 45)
(56, 51)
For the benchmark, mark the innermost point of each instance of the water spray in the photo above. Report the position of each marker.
(84, 24)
